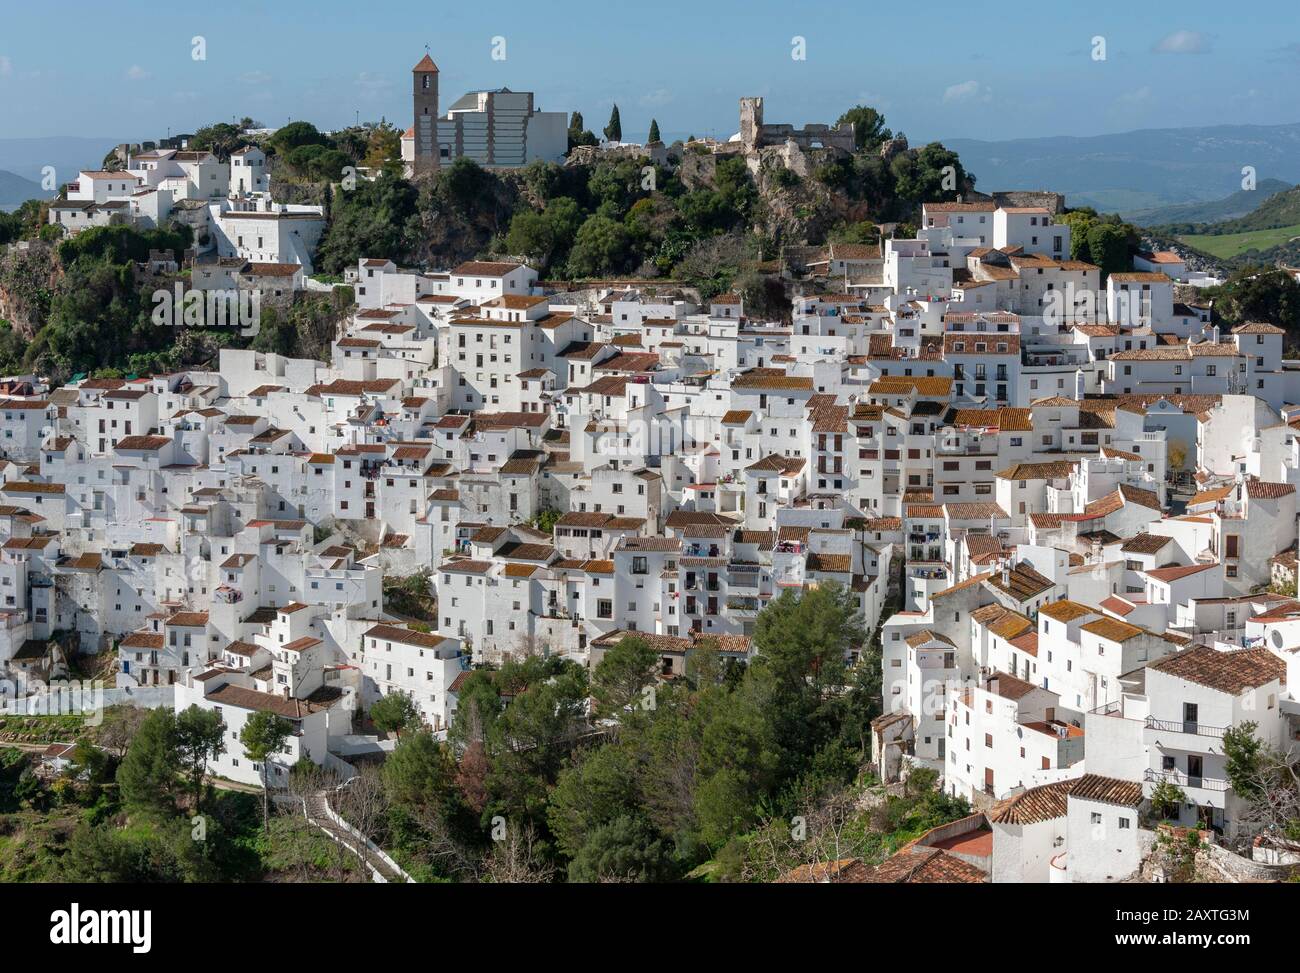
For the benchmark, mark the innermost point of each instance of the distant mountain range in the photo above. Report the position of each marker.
(1137, 171)
(26, 159)
(1239, 204)
(15, 190)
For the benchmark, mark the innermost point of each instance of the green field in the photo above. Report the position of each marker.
(1233, 244)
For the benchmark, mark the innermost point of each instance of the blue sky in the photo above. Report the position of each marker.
(936, 69)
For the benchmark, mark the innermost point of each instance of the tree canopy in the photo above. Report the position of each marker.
(868, 126)
(614, 130)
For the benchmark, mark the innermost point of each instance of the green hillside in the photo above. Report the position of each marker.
(1279, 210)
(1225, 246)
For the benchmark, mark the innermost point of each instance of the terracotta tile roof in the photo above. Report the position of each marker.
(23, 486)
(189, 619)
(770, 378)
(830, 418)
(773, 463)
(1011, 625)
(1145, 544)
(1027, 643)
(1015, 420)
(1007, 686)
(922, 511)
(526, 552)
(241, 698)
(1110, 452)
(522, 464)
(974, 511)
(1066, 611)
(466, 566)
(1228, 672)
(1113, 630)
(1117, 606)
(829, 563)
(650, 544)
(982, 545)
(930, 386)
(1263, 490)
(989, 614)
(1140, 277)
(143, 640)
(1213, 350)
(1173, 574)
(485, 268)
(1098, 330)
(980, 418)
(1023, 582)
(38, 543)
(84, 562)
(926, 635)
(1212, 496)
(1114, 501)
(1109, 790)
(1055, 470)
(883, 524)
(406, 636)
(1257, 327)
(346, 387)
(970, 582)
(1033, 806)
(976, 206)
(925, 865)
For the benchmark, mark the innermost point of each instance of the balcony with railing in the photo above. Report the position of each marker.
(701, 550)
(743, 607)
(1185, 781)
(1185, 726)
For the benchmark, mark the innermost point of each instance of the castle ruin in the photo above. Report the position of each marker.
(755, 134)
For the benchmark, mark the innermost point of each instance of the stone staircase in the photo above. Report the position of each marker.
(317, 808)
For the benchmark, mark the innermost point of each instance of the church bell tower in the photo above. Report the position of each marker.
(425, 75)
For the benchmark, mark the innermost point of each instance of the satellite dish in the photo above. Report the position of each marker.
(1277, 639)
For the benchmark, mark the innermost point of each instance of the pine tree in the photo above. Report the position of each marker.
(614, 130)
(146, 778)
(654, 131)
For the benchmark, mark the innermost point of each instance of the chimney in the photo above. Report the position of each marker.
(1214, 334)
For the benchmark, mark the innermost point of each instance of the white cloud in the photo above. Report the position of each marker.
(966, 91)
(1138, 96)
(6, 66)
(373, 85)
(655, 99)
(1183, 42)
(137, 73)
(255, 77)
